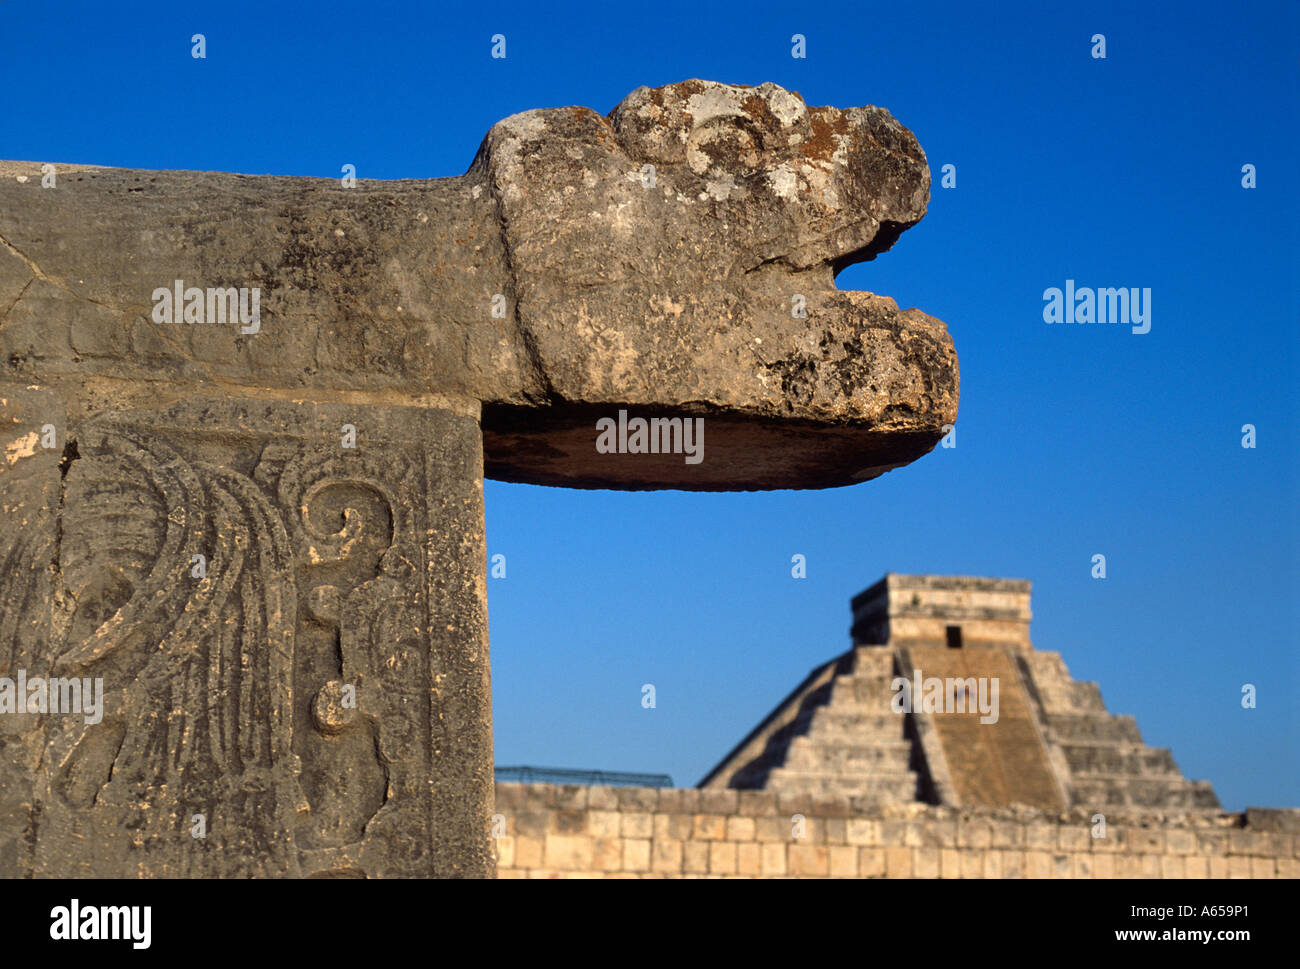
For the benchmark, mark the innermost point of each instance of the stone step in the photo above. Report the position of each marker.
(1113, 758)
(1083, 698)
(847, 724)
(1100, 790)
(873, 661)
(870, 730)
(901, 786)
(868, 694)
(1058, 690)
(886, 757)
(828, 735)
(1077, 727)
(858, 742)
(1048, 667)
(1056, 698)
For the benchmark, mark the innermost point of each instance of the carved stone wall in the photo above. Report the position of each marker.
(290, 631)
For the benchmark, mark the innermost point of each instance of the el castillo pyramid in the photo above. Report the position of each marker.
(851, 728)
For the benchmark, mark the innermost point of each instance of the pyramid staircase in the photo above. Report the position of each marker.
(841, 739)
(1110, 768)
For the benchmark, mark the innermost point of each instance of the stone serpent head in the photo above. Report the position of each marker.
(679, 255)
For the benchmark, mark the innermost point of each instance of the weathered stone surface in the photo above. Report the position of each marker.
(668, 300)
(264, 536)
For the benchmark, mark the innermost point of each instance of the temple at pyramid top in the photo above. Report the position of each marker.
(944, 699)
(920, 608)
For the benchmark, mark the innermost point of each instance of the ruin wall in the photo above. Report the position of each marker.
(571, 831)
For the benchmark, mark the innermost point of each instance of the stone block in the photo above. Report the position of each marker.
(1243, 842)
(710, 827)
(1071, 837)
(1006, 834)
(1143, 841)
(567, 822)
(740, 828)
(1040, 837)
(749, 860)
(602, 798)
(1194, 866)
(636, 854)
(604, 824)
(675, 827)
(637, 824)
(666, 855)
(1211, 843)
(606, 853)
(993, 864)
(637, 799)
(898, 861)
(893, 833)
(714, 800)
(568, 852)
(974, 833)
(722, 858)
(773, 858)
(534, 824)
(528, 852)
(925, 862)
(843, 861)
(695, 857)
(678, 800)
(1038, 864)
(832, 806)
(950, 863)
(757, 803)
(1013, 864)
(871, 862)
(567, 797)
(862, 832)
(1262, 867)
(805, 859)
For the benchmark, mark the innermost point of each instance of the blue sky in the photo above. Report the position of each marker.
(1071, 441)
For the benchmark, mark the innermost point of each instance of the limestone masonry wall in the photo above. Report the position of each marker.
(569, 831)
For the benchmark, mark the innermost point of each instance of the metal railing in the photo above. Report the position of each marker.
(561, 775)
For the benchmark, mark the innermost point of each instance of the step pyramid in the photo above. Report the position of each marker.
(985, 718)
